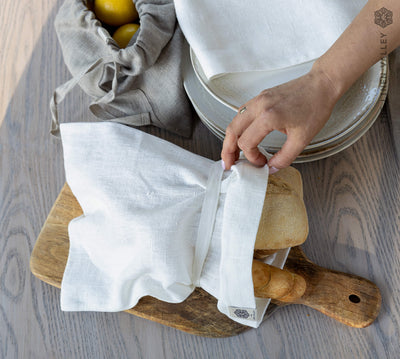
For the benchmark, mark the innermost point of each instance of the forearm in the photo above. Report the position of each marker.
(300, 108)
(361, 45)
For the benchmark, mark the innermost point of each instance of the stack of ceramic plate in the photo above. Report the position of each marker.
(216, 101)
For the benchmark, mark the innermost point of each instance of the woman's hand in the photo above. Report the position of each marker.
(299, 109)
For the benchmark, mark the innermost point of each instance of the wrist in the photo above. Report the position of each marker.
(331, 85)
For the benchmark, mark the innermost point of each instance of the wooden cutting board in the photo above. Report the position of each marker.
(350, 299)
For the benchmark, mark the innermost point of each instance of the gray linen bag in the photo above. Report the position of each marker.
(139, 85)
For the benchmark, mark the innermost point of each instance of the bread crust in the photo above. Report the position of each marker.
(283, 221)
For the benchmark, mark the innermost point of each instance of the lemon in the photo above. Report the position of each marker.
(124, 33)
(115, 12)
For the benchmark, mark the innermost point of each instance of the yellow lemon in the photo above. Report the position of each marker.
(115, 12)
(124, 33)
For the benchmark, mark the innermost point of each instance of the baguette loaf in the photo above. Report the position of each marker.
(275, 283)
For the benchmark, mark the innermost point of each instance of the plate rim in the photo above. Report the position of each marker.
(311, 154)
(328, 141)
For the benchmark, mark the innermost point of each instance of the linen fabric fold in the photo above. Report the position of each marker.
(158, 220)
(261, 35)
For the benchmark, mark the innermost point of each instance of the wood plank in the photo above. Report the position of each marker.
(394, 99)
(20, 28)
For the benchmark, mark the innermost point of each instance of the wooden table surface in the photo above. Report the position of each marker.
(352, 198)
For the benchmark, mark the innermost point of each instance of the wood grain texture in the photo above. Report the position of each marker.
(352, 199)
(349, 299)
(393, 99)
(20, 28)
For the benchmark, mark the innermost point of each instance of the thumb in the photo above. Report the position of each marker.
(287, 154)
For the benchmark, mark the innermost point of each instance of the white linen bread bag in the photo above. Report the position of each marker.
(158, 220)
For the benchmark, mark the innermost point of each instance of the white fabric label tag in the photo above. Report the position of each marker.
(243, 313)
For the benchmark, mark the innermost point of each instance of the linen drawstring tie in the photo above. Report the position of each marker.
(140, 119)
(207, 220)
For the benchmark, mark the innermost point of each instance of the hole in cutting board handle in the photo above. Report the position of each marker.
(354, 298)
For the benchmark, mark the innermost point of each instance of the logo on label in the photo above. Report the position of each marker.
(243, 313)
(383, 17)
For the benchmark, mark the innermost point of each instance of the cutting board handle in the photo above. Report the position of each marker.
(350, 299)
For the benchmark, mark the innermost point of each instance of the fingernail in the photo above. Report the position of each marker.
(223, 165)
(273, 170)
